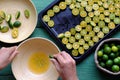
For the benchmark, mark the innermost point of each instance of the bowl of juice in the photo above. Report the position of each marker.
(33, 62)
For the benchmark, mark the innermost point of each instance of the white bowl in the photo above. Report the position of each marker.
(27, 25)
(27, 48)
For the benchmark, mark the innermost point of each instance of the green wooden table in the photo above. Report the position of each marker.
(86, 70)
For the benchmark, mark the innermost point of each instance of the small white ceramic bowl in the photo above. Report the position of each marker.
(26, 49)
(110, 40)
(27, 25)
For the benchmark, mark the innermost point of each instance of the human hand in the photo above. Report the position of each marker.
(65, 65)
(6, 56)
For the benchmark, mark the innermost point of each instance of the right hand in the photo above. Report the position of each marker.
(65, 65)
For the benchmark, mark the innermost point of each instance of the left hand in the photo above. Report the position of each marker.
(6, 55)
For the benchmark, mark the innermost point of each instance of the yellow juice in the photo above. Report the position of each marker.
(38, 62)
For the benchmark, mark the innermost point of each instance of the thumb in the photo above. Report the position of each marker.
(13, 55)
(56, 64)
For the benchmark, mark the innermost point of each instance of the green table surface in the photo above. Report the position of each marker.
(86, 70)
